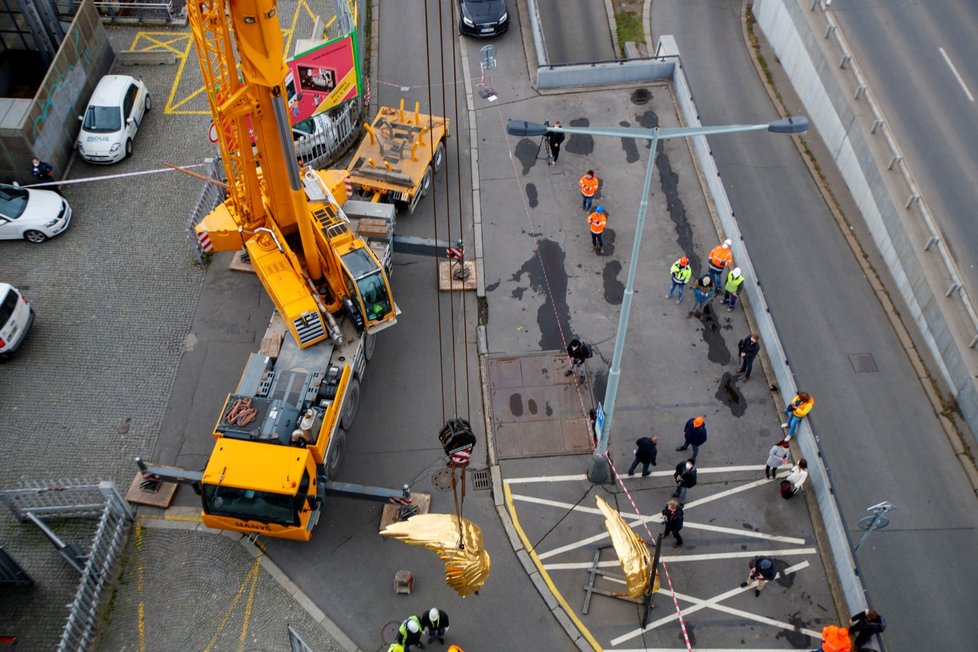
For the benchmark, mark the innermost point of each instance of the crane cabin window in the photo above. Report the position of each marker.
(370, 283)
(252, 505)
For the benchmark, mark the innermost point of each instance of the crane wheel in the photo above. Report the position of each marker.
(334, 456)
(352, 405)
(438, 159)
(426, 181)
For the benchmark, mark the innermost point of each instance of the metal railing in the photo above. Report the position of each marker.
(210, 197)
(163, 11)
(895, 163)
(36, 501)
(326, 146)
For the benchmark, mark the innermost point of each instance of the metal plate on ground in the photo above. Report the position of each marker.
(442, 479)
(863, 363)
(536, 410)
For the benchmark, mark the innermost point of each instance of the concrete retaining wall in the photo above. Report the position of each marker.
(941, 320)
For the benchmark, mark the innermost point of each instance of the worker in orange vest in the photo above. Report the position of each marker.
(835, 639)
(597, 221)
(589, 186)
(720, 258)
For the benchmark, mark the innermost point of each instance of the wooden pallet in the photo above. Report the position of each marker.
(446, 282)
(391, 511)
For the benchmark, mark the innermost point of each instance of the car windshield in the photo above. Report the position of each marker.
(306, 127)
(13, 201)
(103, 119)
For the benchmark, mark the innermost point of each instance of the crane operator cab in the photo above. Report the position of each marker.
(366, 282)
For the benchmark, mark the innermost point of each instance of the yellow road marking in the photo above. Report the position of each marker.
(158, 43)
(140, 621)
(543, 572)
(251, 577)
(247, 614)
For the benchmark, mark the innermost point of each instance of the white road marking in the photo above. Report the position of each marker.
(954, 70)
(672, 559)
(656, 518)
(714, 603)
(743, 533)
(655, 474)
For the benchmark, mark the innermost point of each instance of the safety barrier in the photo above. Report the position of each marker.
(36, 501)
(210, 197)
(146, 11)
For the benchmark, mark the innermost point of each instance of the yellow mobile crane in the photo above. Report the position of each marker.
(298, 241)
(281, 433)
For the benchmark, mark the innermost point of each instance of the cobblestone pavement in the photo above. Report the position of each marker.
(115, 297)
(191, 590)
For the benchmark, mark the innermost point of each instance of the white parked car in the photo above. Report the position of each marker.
(32, 214)
(16, 317)
(114, 115)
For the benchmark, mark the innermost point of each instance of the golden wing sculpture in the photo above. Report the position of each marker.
(466, 565)
(633, 553)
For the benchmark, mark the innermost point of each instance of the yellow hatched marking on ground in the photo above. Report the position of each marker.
(152, 41)
(251, 578)
(247, 613)
(182, 45)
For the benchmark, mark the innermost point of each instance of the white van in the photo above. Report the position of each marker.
(16, 317)
(112, 119)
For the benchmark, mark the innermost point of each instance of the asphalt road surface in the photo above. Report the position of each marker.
(920, 63)
(879, 435)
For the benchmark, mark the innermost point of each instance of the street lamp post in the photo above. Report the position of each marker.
(599, 469)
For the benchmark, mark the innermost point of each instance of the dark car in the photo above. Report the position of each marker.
(483, 17)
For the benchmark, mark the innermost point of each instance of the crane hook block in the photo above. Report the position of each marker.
(458, 441)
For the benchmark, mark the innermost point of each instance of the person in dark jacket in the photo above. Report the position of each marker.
(694, 434)
(554, 140)
(645, 454)
(864, 625)
(762, 570)
(577, 352)
(435, 622)
(685, 476)
(748, 347)
(672, 518)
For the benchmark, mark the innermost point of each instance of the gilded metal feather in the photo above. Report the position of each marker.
(633, 553)
(466, 561)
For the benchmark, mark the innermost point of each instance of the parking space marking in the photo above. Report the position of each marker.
(655, 474)
(153, 41)
(714, 603)
(672, 559)
(656, 518)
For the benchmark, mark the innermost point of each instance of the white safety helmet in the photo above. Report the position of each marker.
(412, 626)
(736, 272)
(433, 615)
(726, 244)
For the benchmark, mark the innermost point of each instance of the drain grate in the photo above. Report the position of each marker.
(481, 480)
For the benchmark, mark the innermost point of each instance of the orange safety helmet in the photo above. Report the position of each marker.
(455, 648)
(683, 261)
(697, 422)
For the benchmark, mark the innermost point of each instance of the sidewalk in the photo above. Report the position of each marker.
(545, 286)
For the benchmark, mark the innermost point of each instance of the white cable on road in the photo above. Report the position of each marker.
(68, 182)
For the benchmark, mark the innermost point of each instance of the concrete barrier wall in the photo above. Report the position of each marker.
(630, 71)
(917, 272)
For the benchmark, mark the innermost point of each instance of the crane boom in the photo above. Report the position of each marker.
(310, 266)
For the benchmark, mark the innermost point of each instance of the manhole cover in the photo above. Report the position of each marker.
(442, 480)
(388, 632)
(641, 96)
(863, 363)
(481, 479)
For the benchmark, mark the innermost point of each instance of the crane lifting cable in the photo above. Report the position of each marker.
(458, 441)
